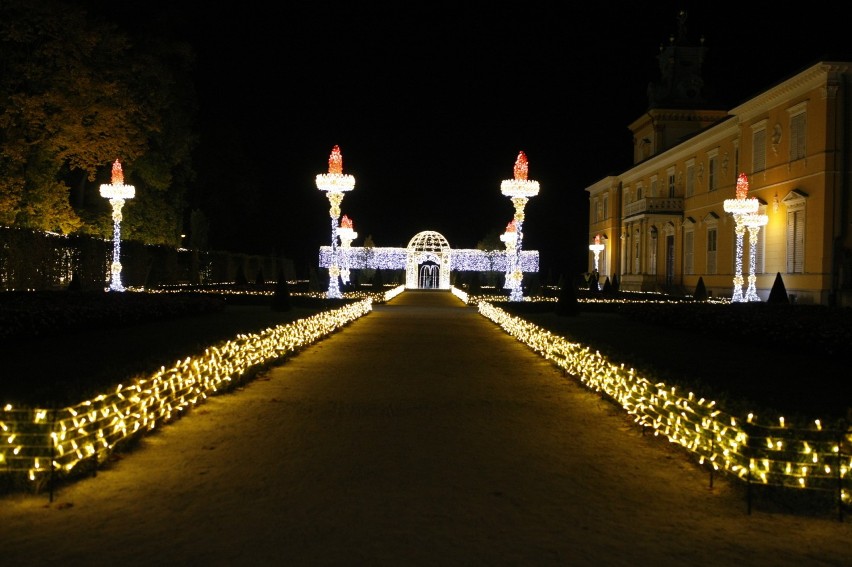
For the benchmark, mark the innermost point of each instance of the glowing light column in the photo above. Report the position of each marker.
(519, 189)
(596, 248)
(117, 192)
(739, 208)
(334, 183)
(347, 235)
(753, 222)
(510, 239)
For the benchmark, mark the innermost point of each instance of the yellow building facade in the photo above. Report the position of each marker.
(663, 222)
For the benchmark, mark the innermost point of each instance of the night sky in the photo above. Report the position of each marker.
(431, 102)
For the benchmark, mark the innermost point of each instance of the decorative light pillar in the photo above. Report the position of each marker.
(739, 208)
(117, 192)
(510, 239)
(519, 189)
(753, 222)
(596, 248)
(347, 235)
(334, 183)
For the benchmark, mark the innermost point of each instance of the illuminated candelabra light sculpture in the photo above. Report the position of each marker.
(335, 184)
(740, 207)
(510, 239)
(117, 192)
(753, 222)
(597, 248)
(519, 189)
(347, 234)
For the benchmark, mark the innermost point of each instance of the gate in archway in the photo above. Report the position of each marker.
(429, 276)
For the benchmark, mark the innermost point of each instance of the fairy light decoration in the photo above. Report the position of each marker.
(596, 248)
(753, 222)
(347, 234)
(117, 192)
(510, 239)
(519, 190)
(739, 207)
(335, 183)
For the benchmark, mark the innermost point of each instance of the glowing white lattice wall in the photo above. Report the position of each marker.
(463, 259)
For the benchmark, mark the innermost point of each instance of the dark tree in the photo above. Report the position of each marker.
(567, 304)
(240, 278)
(281, 298)
(378, 281)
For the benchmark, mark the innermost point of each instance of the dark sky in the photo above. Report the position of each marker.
(430, 103)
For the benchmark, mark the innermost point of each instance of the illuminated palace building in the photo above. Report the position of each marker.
(678, 215)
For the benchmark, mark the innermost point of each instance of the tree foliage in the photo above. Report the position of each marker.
(77, 93)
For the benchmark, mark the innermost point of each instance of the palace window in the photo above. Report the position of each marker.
(796, 223)
(758, 144)
(690, 178)
(711, 221)
(688, 247)
(798, 123)
(671, 178)
(712, 170)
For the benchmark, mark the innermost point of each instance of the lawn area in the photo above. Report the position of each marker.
(74, 358)
(772, 360)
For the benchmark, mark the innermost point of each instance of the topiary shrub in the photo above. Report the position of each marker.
(567, 304)
(700, 290)
(778, 294)
(281, 298)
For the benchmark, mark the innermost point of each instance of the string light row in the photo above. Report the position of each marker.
(34, 440)
(769, 454)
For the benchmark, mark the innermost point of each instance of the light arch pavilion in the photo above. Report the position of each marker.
(428, 260)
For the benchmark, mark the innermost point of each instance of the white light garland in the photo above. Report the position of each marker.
(753, 222)
(347, 234)
(596, 248)
(461, 259)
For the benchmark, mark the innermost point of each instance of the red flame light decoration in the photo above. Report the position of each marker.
(521, 167)
(117, 173)
(335, 161)
(742, 186)
(346, 222)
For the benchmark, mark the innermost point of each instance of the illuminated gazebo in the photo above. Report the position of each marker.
(428, 261)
